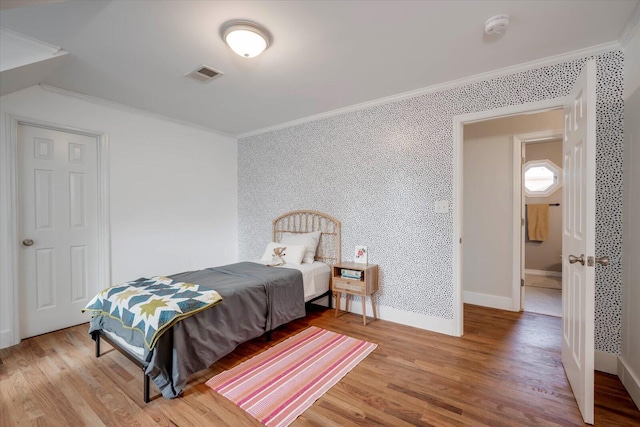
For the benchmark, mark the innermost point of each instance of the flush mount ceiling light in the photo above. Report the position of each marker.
(245, 38)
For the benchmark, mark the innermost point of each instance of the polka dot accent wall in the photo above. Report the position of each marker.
(380, 170)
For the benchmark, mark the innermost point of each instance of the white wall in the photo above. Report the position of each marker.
(488, 205)
(173, 188)
(629, 361)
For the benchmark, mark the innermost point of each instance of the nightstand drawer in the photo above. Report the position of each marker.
(349, 285)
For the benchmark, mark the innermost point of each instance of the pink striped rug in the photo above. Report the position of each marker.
(278, 385)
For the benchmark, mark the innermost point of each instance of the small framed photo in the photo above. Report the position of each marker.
(360, 254)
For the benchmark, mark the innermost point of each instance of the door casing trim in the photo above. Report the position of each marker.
(518, 207)
(9, 239)
(458, 180)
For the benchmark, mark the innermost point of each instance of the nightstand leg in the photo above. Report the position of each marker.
(364, 310)
(348, 298)
(337, 296)
(373, 306)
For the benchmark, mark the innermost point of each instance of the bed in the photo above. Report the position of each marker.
(256, 299)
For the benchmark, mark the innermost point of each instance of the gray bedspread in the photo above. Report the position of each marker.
(256, 299)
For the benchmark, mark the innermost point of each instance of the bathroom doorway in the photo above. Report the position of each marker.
(542, 229)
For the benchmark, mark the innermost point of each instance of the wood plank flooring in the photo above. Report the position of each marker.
(505, 371)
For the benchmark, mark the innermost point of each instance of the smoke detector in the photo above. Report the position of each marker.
(496, 24)
(205, 74)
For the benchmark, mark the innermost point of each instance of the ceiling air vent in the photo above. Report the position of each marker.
(205, 74)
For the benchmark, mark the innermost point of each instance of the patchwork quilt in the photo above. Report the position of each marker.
(152, 305)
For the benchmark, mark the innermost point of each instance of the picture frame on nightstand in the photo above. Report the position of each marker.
(360, 254)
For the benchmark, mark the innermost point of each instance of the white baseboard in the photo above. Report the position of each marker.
(7, 339)
(630, 381)
(606, 362)
(485, 300)
(434, 324)
(546, 273)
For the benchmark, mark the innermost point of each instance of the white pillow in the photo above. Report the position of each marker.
(309, 240)
(293, 254)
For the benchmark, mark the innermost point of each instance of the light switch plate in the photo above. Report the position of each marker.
(442, 206)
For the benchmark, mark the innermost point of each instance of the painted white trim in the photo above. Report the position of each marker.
(9, 334)
(629, 379)
(516, 224)
(53, 49)
(458, 179)
(6, 338)
(416, 320)
(550, 135)
(629, 30)
(104, 213)
(526, 66)
(9, 213)
(512, 110)
(35, 49)
(130, 109)
(523, 232)
(493, 301)
(605, 362)
(545, 273)
(458, 229)
(517, 292)
(542, 136)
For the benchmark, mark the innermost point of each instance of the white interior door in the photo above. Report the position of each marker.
(523, 156)
(58, 227)
(578, 238)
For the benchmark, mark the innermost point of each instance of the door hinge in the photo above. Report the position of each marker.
(521, 221)
(461, 240)
(521, 282)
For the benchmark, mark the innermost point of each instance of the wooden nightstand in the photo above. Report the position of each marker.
(367, 284)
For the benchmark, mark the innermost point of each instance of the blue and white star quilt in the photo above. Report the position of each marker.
(151, 306)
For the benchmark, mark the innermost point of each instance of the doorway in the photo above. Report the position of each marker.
(541, 194)
(578, 226)
(14, 243)
(494, 205)
(58, 225)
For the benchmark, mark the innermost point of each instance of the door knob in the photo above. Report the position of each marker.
(27, 242)
(573, 259)
(603, 260)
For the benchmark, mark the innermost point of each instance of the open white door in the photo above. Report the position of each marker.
(523, 156)
(578, 238)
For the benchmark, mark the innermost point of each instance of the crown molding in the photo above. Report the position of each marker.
(130, 109)
(550, 60)
(25, 50)
(632, 26)
(22, 38)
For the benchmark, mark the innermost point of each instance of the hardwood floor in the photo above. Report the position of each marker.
(505, 371)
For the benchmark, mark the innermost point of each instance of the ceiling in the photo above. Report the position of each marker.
(325, 55)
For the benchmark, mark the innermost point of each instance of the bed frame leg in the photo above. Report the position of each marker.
(146, 388)
(269, 336)
(97, 338)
